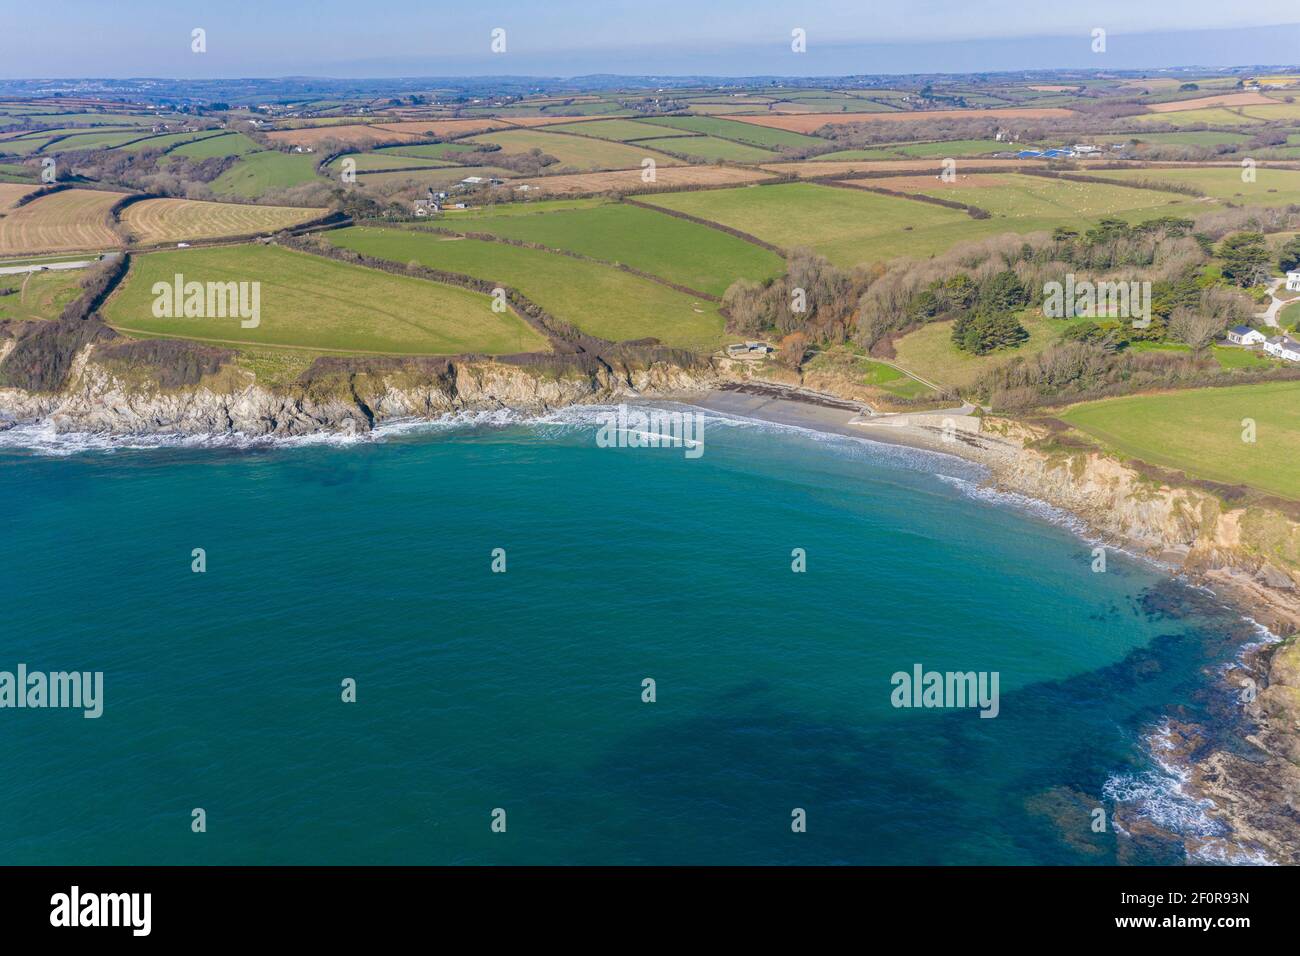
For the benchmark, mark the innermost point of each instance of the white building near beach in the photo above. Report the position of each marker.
(1245, 335)
(1283, 347)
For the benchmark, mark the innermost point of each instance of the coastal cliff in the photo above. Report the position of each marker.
(1249, 554)
(107, 385)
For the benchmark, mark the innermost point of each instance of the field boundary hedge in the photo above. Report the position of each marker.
(975, 212)
(555, 330)
(700, 220)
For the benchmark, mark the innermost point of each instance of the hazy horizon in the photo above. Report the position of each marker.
(330, 39)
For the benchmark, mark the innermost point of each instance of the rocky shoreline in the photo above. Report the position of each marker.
(1249, 556)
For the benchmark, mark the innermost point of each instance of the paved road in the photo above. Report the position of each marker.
(19, 270)
(1269, 315)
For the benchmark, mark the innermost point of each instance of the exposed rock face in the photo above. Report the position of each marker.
(100, 398)
(1249, 555)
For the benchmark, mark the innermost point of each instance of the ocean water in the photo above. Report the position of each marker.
(522, 690)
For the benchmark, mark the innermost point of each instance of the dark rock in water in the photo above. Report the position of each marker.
(1074, 815)
(1144, 843)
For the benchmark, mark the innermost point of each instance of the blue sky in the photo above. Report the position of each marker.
(348, 38)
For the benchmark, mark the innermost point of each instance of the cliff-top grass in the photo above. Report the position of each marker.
(310, 302)
(599, 299)
(1205, 432)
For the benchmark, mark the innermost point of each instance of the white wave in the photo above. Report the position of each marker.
(1160, 794)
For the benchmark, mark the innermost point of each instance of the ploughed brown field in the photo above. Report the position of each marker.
(625, 179)
(73, 220)
(808, 122)
(1224, 99)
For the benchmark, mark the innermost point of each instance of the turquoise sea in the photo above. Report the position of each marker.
(522, 690)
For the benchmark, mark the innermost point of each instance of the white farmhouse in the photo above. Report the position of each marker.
(1283, 347)
(1245, 335)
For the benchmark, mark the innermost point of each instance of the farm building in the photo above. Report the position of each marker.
(1284, 347)
(1245, 335)
(749, 350)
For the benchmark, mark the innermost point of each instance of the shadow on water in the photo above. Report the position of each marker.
(930, 787)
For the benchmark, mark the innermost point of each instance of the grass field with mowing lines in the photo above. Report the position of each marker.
(575, 152)
(10, 193)
(1199, 431)
(316, 303)
(258, 173)
(183, 220)
(71, 220)
(596, 298)
(682, 252)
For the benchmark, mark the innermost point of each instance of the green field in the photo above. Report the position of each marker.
(1015, 196)
(435, 177)
(315, 303)
(596, 298)
(1185, 138)
(257, 173)
(94, 140)
(620, 130)
(40, 295)
(853, 226)
(164, 140)
(376, 162)
(1289, 317)
(574, 152)
(1199, 431)
(737, 131)
(1210, 116)
(682, 252)
(1272, 187)
(711, 149)
(847, 226)
(1240, 358)
(230, 144)
(427, 150)
(959, 147)
(929, 352)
